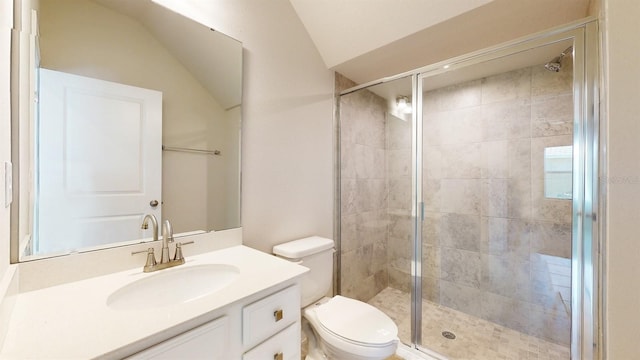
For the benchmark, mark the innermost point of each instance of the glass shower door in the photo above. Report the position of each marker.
(496, 183)
(472, 221)
(376, 224)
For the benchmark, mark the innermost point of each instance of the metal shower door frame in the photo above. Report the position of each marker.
(586, 234)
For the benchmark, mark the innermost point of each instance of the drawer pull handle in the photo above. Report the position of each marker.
(278, 356)
(278, 314)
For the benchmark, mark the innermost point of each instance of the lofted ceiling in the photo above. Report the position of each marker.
(367, 40)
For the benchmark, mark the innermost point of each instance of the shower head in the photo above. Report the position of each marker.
(556, 64)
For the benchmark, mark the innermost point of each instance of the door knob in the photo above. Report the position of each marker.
(153, 203)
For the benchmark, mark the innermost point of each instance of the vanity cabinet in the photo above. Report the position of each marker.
(256, 316)
(261, 327)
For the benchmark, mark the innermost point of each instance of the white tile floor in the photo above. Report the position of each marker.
(476, 339)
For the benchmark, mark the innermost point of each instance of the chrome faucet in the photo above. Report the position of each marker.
(154, 222)
(167, 237)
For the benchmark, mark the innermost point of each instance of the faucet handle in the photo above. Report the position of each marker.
(141, 251)
(151, 258)
(178, 255)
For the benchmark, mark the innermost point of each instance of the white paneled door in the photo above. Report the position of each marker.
(100, 161)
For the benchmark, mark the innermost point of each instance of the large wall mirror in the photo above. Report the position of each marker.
(122, 108)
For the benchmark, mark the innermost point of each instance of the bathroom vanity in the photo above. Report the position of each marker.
(254, 315)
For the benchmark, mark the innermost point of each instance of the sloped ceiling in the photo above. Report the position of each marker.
(369, 39)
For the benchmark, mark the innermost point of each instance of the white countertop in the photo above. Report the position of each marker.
(73, 321)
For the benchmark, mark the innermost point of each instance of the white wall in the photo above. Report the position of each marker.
(25, 108)
(6, 22)
(287, 184)
(287, 127)
(622, 71)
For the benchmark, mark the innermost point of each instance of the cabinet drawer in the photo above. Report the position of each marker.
(285, 345)
(267, 316)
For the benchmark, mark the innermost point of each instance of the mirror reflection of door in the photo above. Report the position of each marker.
(99, 161)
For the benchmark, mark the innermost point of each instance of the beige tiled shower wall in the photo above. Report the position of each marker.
(364, 193)
(493, 245)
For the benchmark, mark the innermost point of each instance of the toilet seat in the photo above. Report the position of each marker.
(366, 342)
(357, 322)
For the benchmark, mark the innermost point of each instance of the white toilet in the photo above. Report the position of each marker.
(342, 328)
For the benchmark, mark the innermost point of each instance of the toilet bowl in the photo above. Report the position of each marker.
(349, 329)
(339, 328)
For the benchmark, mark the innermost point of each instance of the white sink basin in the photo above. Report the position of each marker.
(173, 286)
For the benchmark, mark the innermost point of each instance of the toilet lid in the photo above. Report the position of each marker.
(357, 321)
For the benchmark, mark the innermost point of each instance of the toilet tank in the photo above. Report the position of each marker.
(315, 253)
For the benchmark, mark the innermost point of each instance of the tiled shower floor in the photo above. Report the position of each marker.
(476, 339)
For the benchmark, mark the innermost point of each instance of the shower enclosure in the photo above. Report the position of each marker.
(468, 194)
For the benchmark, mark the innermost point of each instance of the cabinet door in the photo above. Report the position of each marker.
(208, 341)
